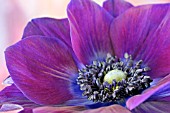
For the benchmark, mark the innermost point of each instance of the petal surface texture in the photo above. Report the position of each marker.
(153, 107)
(109, 109)
(116, 7)
(12, 95)
(41, 67)
(161, 89)
(67, 109)
(49, 27)
(89, 26)
(145, 35)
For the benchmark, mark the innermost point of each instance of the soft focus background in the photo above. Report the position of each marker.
(14, 15)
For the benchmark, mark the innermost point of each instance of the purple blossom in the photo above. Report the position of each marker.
(54, 63)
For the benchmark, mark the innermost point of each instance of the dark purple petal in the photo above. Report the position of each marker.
(49, 27)
(162, 88)
(12, 95)
(89, 25)
(68, 109)
(153, 107)
(109, 109)
(165, 98)
(41, 67)
(144, 33)
(116, 7)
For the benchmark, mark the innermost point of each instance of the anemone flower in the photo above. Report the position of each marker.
(112, 59)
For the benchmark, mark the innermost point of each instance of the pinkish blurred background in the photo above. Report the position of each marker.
(14, 15)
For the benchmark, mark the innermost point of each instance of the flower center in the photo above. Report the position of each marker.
(113, 79)
(116, 74)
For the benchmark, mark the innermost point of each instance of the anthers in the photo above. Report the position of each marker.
(113, 79)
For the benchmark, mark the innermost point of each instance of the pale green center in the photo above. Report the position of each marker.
(116, 74)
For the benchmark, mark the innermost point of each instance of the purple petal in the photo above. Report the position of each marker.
(11, 95)
(81, 101)
(145, 35)
(109, 109)
(116, 7)
(165, 98)
(68, 109)
(49, 27)
(163, 93)
(90, 25)
(41, 68)
(153, 107)
(162, 87)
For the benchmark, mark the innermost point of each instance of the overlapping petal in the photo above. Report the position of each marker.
(144, 33)
(49, 27)
(153, 106)
(89, 26)
(154, 93)
(68, 109)
(116, 7)
(109, 109)
(11, 95)
(165, 98)
(41, 68)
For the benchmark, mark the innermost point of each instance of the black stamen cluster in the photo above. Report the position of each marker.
(91, 79)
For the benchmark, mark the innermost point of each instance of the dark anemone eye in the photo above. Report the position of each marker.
(113, 79)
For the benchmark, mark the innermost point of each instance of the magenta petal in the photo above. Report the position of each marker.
(116, 7)
(12, 95)
(109, 109)
(153, 107)
(90, 25)
(161, 87)
(166, 98)
(49, 27)
(145, 35)
(67, 109)
(41, 67)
